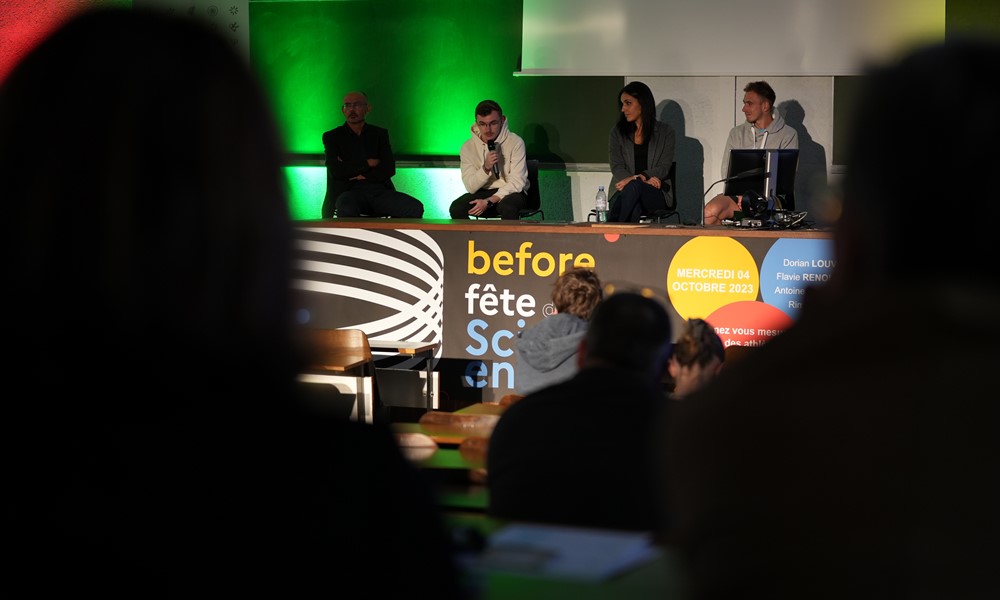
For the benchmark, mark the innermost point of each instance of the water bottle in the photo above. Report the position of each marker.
(601, 205)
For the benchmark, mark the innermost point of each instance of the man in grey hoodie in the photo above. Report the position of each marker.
(763, 129)
(546, 352)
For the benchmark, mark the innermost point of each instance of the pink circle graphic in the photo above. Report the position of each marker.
(748, 323)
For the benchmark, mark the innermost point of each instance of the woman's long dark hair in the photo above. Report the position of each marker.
(641, 92)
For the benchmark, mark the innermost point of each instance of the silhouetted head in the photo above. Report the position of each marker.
(698, 356)
(698, 344)
(629, 331)
(146, 202)
(924, 138)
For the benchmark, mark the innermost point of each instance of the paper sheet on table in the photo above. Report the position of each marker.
(566, 552)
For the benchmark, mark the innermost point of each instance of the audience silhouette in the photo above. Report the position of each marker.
(154, 447)
(580, 452)
(854, 455)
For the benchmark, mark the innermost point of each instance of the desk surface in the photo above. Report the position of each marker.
(400, 347)
(452, 434)
(445, 435)
(660, 578)
(482, 408)
(344, 362)
(578, 228)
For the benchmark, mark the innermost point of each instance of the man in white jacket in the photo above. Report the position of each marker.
(494, 168)
(763, 129)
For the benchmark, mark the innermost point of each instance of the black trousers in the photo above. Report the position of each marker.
(509, 207)
(636, 199)
(374, 200)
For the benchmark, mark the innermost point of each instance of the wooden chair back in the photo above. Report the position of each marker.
(340, 351)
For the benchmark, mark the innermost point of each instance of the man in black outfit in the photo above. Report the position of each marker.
(580, 452)
(360, 166)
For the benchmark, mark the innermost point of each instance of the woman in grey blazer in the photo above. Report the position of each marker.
(641, 152)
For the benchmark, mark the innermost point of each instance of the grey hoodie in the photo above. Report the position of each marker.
(778, 135)
(546, 353)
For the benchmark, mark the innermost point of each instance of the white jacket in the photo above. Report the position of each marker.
(512, 161)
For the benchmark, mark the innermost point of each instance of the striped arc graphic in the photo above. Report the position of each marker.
(391, 282)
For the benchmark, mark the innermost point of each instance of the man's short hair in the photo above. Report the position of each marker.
(630, 331)
(486, 107)
(762, 89)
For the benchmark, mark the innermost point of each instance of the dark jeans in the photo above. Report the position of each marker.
(509, 207)
(636, 199)
(374, 200)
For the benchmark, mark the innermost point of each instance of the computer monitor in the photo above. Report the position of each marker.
(776, 178)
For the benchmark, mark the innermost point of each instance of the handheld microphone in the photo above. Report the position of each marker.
(496, 166)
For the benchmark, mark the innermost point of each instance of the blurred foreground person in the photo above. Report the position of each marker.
(154, 447)
(855, 455)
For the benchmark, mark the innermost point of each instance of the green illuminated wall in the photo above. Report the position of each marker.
(424, 64)
(436, 188)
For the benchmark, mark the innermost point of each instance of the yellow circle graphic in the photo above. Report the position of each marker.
(710, 272)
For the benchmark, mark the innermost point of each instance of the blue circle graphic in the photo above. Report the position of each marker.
(792, 265)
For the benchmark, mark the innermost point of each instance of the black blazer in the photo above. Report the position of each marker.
(347, 156)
